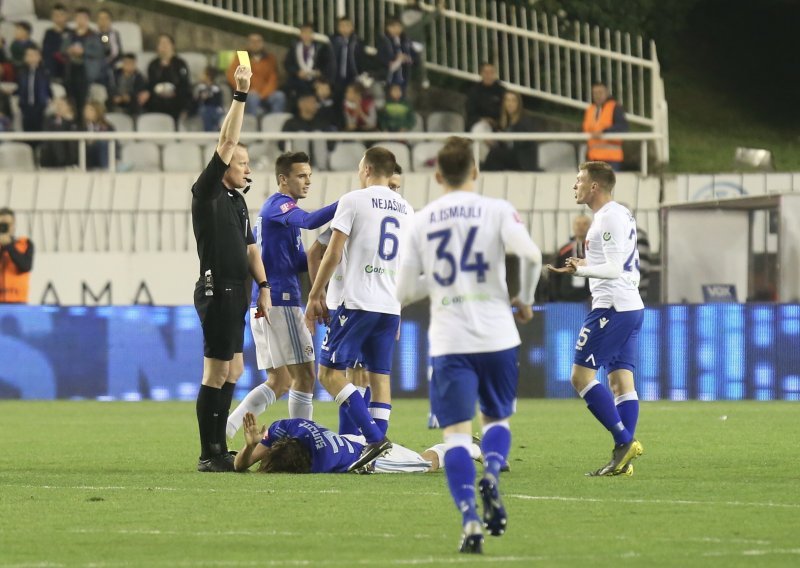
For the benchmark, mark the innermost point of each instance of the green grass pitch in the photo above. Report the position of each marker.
(113, 485)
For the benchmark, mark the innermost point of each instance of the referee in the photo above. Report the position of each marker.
(228, 256)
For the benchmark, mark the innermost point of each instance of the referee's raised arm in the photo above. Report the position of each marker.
(232, 125)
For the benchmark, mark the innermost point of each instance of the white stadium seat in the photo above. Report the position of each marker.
(197, 63)
(414, 188)
(141, 156)
(423, 156)
(274, 121)
(557, 157)
(130, 35)
(182, 157)
(155, 122)
(445, 121)
(14, 10)
(143, 59)
(346, 156)
(120, 121)
(17, 157)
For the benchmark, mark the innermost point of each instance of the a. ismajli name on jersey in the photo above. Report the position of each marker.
(457, 212)
(389, 205)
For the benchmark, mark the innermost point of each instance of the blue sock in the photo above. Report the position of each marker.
(460, 471)
(628, 409)
(601, 404)
(495, 446)
(380, 412)
(347, 426)
(356, 410)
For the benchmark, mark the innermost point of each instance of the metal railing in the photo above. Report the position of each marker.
(82, 138)
(536, 54)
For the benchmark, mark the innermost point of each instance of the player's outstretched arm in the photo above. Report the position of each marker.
(232, 125)
(314, 258)
(252, 451)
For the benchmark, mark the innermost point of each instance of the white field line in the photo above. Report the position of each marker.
(421, 561)
(755, 552)
(256, 533)
(766, 504)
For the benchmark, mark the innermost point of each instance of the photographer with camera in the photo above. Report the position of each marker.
(16, 261)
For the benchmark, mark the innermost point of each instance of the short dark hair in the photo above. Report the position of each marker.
(58, 6)
(485, 64)
(286, 455)
(398, 170)
(169, 37)
(455, 160)
(129, 55)
(6, 211)
(105, 11)
(284, 163)
(599, 84)
(211, 71)
(308, 24)
(600, 173)
(24, 25)
(381, 160)
(83, 10)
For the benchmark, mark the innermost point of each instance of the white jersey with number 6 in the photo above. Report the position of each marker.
(374, 219)
(458, 243)
(333, 297)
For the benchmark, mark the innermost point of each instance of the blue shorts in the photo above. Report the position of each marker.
(458, 382)
(609, 339)
(356, 336)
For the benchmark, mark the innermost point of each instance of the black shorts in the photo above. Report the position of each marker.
(222, 318)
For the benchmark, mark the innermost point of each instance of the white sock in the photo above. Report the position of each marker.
(300, 405)
(256, 401)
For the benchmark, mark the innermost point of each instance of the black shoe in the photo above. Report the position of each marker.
(215, 464)
(494, 513)
(230, 457)
(472, 539)
(370, 453)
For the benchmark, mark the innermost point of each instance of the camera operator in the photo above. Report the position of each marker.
(16, 261)
(228, 257)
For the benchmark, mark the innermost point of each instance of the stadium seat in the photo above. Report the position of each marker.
(274, 121)
(557, 157)
(445, 121)
(492, 184)
(143, 59)
(5, 182)
(337, 184)
(15, 10)
(414, 189)
(141, 156)
(147, 225)
(77, 195)
(155, 122)
(48, 208)
(346, 156)
(130, 35)
(59, 92)
(182, 157)
(38, 27)
(192, 123)
(120, 121)
(124, 199)
(176, 223)
(402, 154)
(208, 152)
(626, 189)
(419, 123)
(249, 123)
(98, 222)
(262, 156)
(482, 127)
(197, 63)
(17, 157)
(98, 93)
(22, 199)
(423, 156)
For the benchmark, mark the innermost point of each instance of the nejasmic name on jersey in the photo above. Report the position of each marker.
(389, 204)
(462, 212)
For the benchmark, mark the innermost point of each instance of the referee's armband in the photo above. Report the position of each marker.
(264, 284)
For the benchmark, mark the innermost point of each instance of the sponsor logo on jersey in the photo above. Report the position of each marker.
(603, 322)
(464, 298)
(606, 236)
(379, 270)
(288, 206)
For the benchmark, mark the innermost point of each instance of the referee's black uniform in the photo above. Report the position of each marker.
(221, 296)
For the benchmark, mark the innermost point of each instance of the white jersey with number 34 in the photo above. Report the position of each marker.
(374, 219)
(458, 243)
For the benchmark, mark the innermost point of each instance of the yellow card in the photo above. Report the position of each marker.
(244, 58)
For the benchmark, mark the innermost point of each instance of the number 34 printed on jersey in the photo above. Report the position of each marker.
(469, 262)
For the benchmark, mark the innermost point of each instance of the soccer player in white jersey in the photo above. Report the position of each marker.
(458, 245)
(609, 335)
(358, 376)
(367, 228)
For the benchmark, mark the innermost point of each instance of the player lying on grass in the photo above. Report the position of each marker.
(296, 445)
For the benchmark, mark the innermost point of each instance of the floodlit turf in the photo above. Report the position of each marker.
(113, 484)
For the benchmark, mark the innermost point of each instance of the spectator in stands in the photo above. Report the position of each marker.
(485, 98)
(329, 112)
(22, 41)
(513, 155)
(9, 72)
(130, 93)
(415, 19)
(397, 114)
(307, 119)
(348, 57)
(568, 287)
(264, 95)
(208, 97)
(360, 114)
(54, 38)
(168, 81)
(16, 261)
(603, 116)
(33, 90)
(112, 43)
(6, 112)
(396, 54)
(60, 153)
(306, 61)
(94, 119)
(85, 58)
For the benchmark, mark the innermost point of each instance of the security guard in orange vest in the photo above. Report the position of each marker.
(604, 115)
(16, 260)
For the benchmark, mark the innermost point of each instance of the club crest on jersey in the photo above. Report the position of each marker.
(288, 206)
(606, 236)
(603, 322)
(342, 320)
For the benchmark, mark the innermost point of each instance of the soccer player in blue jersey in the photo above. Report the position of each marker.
(455, 254)
(609, 335)
(303, 446)
(367, 229)
(283, 344)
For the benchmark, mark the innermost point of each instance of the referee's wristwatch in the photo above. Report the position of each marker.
(264, 284)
